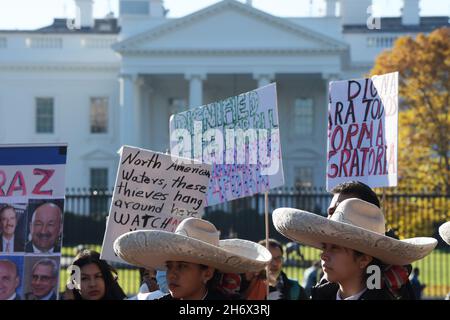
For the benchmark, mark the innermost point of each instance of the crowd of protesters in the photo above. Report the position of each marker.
(194, 264)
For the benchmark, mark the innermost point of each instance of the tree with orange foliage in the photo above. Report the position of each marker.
(424, 123)
(423, 64)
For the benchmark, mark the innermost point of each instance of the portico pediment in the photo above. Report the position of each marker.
(229, 26)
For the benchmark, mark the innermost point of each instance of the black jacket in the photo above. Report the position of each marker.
(328, 291)
(291, 290)
(212, 295)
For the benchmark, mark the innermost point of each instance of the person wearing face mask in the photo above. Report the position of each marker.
(193, 256)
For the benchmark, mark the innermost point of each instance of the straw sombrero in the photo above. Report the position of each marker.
(444, 231)
(356, 224)
(195, 240)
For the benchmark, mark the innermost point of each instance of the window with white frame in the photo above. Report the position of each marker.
(99, 115)
(303, 116)
(45, 115)
(99, 178)
(303, 177)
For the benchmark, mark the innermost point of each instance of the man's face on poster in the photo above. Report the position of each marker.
(46, 226)
(8, 222)
(9, 279)
(43, 280)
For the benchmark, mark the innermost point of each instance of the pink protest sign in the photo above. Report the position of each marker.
(363, 131)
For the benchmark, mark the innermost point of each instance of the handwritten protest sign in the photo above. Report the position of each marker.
(240, 137)
(153, 191)
(363, 131)
(32, 194)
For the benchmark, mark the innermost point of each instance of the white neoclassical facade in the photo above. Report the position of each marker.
(100, 83)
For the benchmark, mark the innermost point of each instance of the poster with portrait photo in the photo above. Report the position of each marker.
(11, 277)
(12, 227)
(45, 226)
(41, 277)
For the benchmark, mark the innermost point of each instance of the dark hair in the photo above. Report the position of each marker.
(272, 243)
(142, 272)
(112, 289)
(374, 262)
(357, 189)
(214, 282)
(5, 207)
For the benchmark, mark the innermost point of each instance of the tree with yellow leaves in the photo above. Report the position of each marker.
(423, 64)
(424, 123)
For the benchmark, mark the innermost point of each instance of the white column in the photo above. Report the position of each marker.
(146, 118)
(264, 78)
(195, 89)
(129, 112)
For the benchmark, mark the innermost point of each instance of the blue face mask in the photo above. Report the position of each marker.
(162, 282)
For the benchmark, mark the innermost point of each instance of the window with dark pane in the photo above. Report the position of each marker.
(44, 115)
(98, 184)
(303, 116)
(303, 177)
(99, 115)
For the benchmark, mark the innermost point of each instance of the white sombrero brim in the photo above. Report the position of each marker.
(444, 232)
(153, 248)
(313, 230)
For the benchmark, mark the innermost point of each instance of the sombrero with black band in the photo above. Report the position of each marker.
(444, 232)
(196, 241)
(356, 224)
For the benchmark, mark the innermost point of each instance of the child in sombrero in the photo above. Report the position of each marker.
(192, 255)
(351, 240)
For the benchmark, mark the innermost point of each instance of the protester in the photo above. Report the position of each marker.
(417, 286)
(310, 277)
(148, 286)
(395, 278)
(444, 232)
(98, 280)
(192, 256)
(280, 286)
(351, 240)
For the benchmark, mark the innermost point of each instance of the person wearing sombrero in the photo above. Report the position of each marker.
(444, 232)
(351, 240)
(192, 255)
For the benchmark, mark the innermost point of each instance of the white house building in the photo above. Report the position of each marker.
(100, 83)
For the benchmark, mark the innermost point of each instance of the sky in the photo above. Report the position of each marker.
(33, 14)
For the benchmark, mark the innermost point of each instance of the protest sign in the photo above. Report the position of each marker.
(153, 191)
(240, 137)
(32, 194)
(363, 131)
